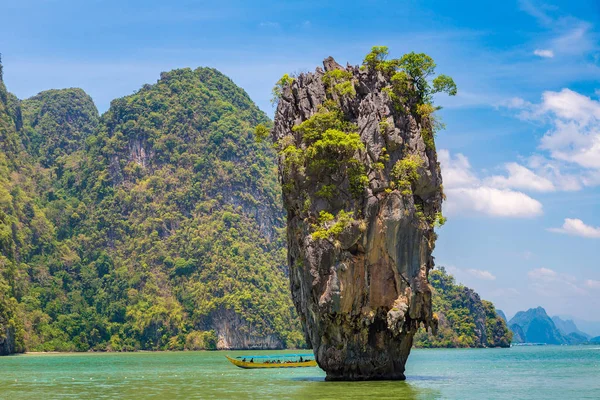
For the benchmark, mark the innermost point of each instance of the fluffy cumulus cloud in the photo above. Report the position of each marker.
(466, 193)
(577, 227)
(545, 53)
(569, 157)
(520, 177)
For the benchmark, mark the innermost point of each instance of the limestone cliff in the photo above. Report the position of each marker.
(7, 340)
(464, 319)
(363, 191)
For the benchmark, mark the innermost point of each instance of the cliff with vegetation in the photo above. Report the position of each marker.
(363, 192)
(464, 320)
(158, 225)
(154, 226)
(11, 325)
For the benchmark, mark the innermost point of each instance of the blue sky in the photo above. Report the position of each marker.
(521, 152)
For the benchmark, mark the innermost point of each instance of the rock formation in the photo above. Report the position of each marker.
(363, 191)
(7, 340)
(535, 326)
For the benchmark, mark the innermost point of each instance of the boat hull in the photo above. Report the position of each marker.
(256, 365)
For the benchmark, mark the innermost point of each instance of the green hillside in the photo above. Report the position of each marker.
(464, 319)
(158, 225)
(155, 226)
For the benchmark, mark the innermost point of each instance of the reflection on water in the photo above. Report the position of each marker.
(360, 390)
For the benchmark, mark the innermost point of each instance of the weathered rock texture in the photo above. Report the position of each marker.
(361, 296)
(233, 333)
(7, 340)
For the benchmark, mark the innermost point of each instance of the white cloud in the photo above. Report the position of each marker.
(592, 284)
(544, 53)
(520, 177)
(493, 202)
(480, 274)
(575, 37)
(577, 227)
(570, 105)
(547, 282)
(542, 274)
(572, 142)
(456, 171)
(467, 194)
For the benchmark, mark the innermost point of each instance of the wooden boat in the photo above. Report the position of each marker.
(278, 361)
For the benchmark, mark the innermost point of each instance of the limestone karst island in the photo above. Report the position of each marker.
(299, 200)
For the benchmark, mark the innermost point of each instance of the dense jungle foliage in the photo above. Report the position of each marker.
(140, 228)
(464, 319)
(148, 226)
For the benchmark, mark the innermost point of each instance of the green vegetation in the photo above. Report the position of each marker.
(12, 334)
(464, 319)
(328, 145)
(261, 132)
(329, 227)
(406, 173)
(142, 228)
(340, 82)
(57, 123)
(281, 84)
(412, 86)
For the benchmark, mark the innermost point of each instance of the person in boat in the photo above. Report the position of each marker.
(301, 359)
(252, 360)
(244, 359)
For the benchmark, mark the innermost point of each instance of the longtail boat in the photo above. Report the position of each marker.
(277, 361)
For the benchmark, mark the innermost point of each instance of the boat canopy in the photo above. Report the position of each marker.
(280, 356)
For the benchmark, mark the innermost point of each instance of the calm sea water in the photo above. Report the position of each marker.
(549, 372)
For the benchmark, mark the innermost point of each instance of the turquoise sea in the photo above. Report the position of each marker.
(545, 372)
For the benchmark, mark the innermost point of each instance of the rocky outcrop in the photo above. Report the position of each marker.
(233, 333)
(360, 234)
(501, 315)
(477, 311)
(7, 340)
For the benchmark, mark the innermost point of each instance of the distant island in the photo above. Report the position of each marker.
(464, 319)
(535, 326)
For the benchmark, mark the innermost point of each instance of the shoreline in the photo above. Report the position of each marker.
(33, 353)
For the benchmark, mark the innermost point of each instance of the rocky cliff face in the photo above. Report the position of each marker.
(7, 340)
(233, 333)
(362, 188)
(464, 319)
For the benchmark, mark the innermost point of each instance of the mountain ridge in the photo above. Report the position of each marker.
(535, 326)
(154, 226)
